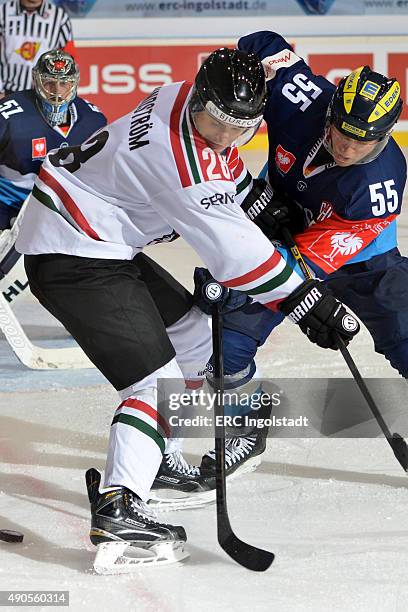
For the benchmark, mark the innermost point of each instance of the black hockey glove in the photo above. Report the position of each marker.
(271, 211)
(230, 299)
(319, 315)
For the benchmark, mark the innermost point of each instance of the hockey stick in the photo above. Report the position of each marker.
(36, 357)
(13, 284)
(397, 443)
(248, 556)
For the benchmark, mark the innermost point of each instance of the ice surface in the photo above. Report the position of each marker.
(334, 511)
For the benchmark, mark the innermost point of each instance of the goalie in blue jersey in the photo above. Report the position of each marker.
(34, 121)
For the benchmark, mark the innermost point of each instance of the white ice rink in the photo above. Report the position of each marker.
(334, 511)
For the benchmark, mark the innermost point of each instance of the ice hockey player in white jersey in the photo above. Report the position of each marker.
(169, 166)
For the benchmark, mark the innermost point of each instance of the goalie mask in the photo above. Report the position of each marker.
(365, 107)
(229, 93)
(55, 78)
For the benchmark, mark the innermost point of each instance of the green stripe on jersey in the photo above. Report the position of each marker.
(45, 199)
(187, 137)
(273, 283)
(145, 428)
(244, 183)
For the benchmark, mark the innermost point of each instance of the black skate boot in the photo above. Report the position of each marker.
(242, 455)
(179, 485)
(244, 446)
(121, 519)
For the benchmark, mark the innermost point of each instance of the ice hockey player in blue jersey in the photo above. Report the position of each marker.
(331, 153)
(34, 121)
(338, 178)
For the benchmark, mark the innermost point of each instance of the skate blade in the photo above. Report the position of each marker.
(126, 557)
(167, 500)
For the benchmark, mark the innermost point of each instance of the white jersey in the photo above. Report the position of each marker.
(140, 180)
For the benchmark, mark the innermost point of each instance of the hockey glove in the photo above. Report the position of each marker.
(270, 211)
(319, 315)
(230, 299)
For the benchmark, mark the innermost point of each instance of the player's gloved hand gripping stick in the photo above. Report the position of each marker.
(397, 443)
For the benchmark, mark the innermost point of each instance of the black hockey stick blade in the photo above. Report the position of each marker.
(400, 449)
(397, 443)
(251, 557)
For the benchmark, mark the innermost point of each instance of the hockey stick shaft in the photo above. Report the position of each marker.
(36, 357)
(13, 284)
(397, 443)
(249, 556)
(218, 359)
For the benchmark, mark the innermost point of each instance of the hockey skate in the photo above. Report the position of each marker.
(242, 455)
(126, 532)
(178, 485)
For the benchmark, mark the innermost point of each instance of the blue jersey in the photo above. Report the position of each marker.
(26, 138)
(349, 211)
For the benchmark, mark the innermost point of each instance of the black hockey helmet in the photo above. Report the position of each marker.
(231, 87)
(55, 79)
(365, 106)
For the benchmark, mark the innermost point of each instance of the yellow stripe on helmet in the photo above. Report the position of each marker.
(387, 102)
(350, 88)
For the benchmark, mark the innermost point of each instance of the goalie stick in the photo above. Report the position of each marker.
(37, 357)
(397, 442)
(13, 282)
(248, 556)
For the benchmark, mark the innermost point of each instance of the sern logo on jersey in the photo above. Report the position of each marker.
(38, 148)
(284, 159)
(28, 50)
(283, 59)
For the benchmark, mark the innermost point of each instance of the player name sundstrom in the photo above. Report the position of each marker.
(258, 206)
(305, 305)
(139, 125)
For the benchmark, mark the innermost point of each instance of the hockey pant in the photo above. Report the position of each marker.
(137, 325)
